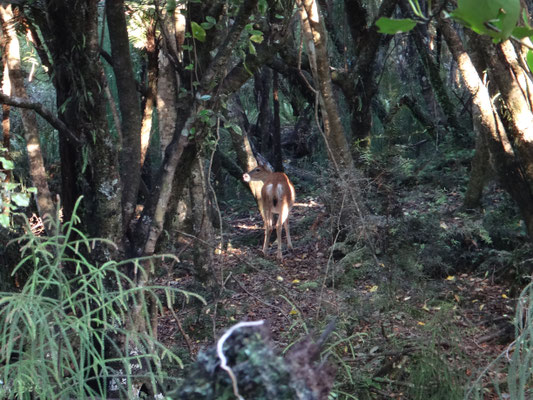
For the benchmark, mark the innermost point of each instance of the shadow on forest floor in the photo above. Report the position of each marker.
(392, 333)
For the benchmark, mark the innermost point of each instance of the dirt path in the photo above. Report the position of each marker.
(385, 329)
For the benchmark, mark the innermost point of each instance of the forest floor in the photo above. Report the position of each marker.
(396, 336)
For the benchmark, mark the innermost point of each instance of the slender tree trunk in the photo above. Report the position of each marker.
(276, 132)
(480, 169)
(239, 139)
(151, 88)
(263, 128)
(129, 107)
(359, 86)
(167, 86)
(315, 36)
(203, 228)
(45, 205)
(6, 129)
(432, 71)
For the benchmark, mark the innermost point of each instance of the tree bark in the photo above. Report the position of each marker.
(45, 204)
(203, 228)
(511, 166)
(276, 132)
(315, 36)
(130, 158)
(151, 88)
(479, 171)
(167, 86)
(71, 33)
(262, 130)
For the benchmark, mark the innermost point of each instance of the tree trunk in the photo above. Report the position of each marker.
(167, 86)
(129, 107)
(79, 82)
(45, 205)
(203, 228)
(359, 86)
(509, 162)
(479, 171)
(432, 71)
(262, 131)
(151, 88)
(276, 132)
(315, 36)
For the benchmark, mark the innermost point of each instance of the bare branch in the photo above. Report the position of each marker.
(43, 112)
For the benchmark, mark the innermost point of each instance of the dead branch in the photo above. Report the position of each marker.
(43, 112)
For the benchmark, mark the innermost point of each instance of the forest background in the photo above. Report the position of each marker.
(129, 241)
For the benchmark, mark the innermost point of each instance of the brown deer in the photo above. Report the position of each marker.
(275, 196)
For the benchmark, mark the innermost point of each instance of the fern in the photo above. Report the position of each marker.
(54, 333)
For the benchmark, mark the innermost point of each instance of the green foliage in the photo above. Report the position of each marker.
(496, 18)
(12, 195)
(53, 332)
(392, 26)
(529, 59)
(433, 378)
(197, 31)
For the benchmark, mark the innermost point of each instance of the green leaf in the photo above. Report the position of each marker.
(521, 32)
(251, 48)
(262, 6)
(496, 18)
(529, 59)
(7, 164)
(257, 38)
(198, 32)
(171, 6)
(211, 20)
(392, 26)
(21, 199)
(4, 220)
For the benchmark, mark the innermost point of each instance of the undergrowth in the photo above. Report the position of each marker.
(73, 335)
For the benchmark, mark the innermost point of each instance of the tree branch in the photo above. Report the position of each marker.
(44, 113)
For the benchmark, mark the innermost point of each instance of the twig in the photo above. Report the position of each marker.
(183, 333)
(222, 357)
